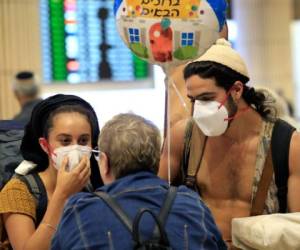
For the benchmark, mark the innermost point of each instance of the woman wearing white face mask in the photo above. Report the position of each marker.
(58, 140)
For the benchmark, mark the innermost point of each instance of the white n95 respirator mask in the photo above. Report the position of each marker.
(74, 154)
(211, 117)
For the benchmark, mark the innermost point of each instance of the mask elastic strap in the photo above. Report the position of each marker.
(239, 113)
(226, 97)
(47, 145)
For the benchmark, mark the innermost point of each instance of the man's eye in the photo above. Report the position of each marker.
(205, 99)
(192, 99)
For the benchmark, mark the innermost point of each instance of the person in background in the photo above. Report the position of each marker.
(26, 90)
(56, 146)
(281, 106)
(129, 159)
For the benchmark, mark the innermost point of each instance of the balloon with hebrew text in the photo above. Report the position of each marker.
(169, 32)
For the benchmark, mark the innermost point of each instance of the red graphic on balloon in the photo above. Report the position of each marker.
(161, 42)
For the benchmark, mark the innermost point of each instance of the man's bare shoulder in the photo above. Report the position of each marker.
(180, 126)
(294, 177)
(176, 142)
(176, 135)
(294, 159)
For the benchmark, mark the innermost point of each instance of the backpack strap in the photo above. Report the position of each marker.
(258, 203)
(162, 240)
(281, 137)
(159, 232)
(125, 219)
(37, 189)
(187, 147)
(111, 202)
(165, 209)
(196, 152)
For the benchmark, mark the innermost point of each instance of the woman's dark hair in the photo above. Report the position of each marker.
(225, 78)
(42, 120)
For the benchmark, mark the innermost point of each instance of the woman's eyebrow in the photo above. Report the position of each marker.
(63, 135)
(85, 135)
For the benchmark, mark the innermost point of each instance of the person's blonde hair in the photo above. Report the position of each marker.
(280, 105)
(131, 144)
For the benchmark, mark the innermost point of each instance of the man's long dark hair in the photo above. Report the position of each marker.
(225, 78)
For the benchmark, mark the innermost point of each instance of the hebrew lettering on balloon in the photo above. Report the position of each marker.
(169, 32)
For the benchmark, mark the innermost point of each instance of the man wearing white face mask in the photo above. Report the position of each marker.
(213, 117)
(224, 151)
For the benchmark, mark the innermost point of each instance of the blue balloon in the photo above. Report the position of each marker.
(219, 7)
(117, 4)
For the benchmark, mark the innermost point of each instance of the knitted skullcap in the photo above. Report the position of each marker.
(224, 54)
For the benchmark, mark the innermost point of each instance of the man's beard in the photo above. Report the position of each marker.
(232, 109)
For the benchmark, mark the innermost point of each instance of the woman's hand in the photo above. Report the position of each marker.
(69, 183)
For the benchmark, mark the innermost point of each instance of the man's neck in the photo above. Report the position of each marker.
(245, 124)
(24, 100)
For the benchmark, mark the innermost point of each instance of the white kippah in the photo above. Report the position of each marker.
(223, 53)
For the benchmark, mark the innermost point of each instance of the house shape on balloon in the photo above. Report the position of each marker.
(169, 37)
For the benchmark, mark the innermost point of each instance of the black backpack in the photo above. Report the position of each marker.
(159, 239)
(281, 138)
(38, 190)
(11, 134)
(280, 146)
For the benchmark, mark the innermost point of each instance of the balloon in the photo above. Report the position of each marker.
(169, 32)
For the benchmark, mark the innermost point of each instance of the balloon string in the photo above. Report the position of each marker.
(170, 82)
(168, 129)
(179, 96)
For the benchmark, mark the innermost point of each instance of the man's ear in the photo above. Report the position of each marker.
(237, 90)
(44, 145)
(104, 165)
(105, 170)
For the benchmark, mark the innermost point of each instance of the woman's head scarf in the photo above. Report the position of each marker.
(30, 147)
